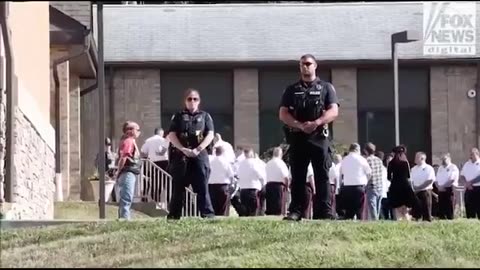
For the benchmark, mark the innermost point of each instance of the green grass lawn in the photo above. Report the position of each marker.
(245, 242)
(88, 211)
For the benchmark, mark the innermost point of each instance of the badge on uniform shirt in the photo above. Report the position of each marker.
(318, 86)
(199, 118)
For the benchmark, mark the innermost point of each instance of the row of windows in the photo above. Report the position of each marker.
(374, 97)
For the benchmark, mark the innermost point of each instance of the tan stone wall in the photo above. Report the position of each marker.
(345, 127)
(452, 112)
(34, 159)
(34, 187)
(246, 114)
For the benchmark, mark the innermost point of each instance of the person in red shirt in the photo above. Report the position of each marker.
(129, 165)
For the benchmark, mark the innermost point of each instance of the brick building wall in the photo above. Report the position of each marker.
(136, 97)
(452, 112)
(246, 109)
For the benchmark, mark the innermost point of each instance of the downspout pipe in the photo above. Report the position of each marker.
(11, 105)
(58, 162)
(477, 89)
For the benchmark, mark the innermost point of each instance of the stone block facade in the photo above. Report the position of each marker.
(34, 188)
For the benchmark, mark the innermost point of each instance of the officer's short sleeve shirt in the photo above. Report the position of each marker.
(287, 97)
(331, 96)
(208, 123)
(175, 122)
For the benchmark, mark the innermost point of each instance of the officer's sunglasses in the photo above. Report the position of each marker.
(307, 64)
(190, 99)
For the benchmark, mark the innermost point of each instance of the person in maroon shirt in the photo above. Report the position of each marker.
(128, 167)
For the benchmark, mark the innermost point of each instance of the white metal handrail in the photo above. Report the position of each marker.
(155, 184)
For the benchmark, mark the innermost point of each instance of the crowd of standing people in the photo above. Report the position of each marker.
(319, 183)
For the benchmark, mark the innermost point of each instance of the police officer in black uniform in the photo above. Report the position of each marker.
(191, 132)
(306, 109)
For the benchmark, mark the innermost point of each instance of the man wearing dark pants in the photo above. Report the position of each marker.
(446, 181)
(354, 173)
(471, 176)
(423, 176)
(251, 177)
(306, 109)
(277, 183)
(221, 176)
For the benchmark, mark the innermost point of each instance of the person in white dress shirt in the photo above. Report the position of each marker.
(386, 212)
(334, 177)
(228, 151)
(277, 182)
(221, 175)
(422, 176)
(261, 195)
(309, 192)
(354, 173)
(447, 180)
(155, 149)
(471, 177)
(240, 156)
(251, 179)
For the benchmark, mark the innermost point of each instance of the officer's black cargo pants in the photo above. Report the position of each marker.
(195, 172)
(301, 153)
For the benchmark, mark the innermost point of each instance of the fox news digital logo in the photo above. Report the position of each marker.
(449, 28)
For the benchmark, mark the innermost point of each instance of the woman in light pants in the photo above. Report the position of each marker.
(128, 168)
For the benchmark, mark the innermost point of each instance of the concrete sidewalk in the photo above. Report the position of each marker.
(17, 224)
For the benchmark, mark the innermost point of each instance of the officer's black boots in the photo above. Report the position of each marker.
(293, 217)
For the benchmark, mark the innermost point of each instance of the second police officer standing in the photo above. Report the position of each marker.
(306, 109)
(191, 132)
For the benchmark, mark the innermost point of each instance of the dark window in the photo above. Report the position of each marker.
(271, 84)
(376, 109)
(216, 91)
